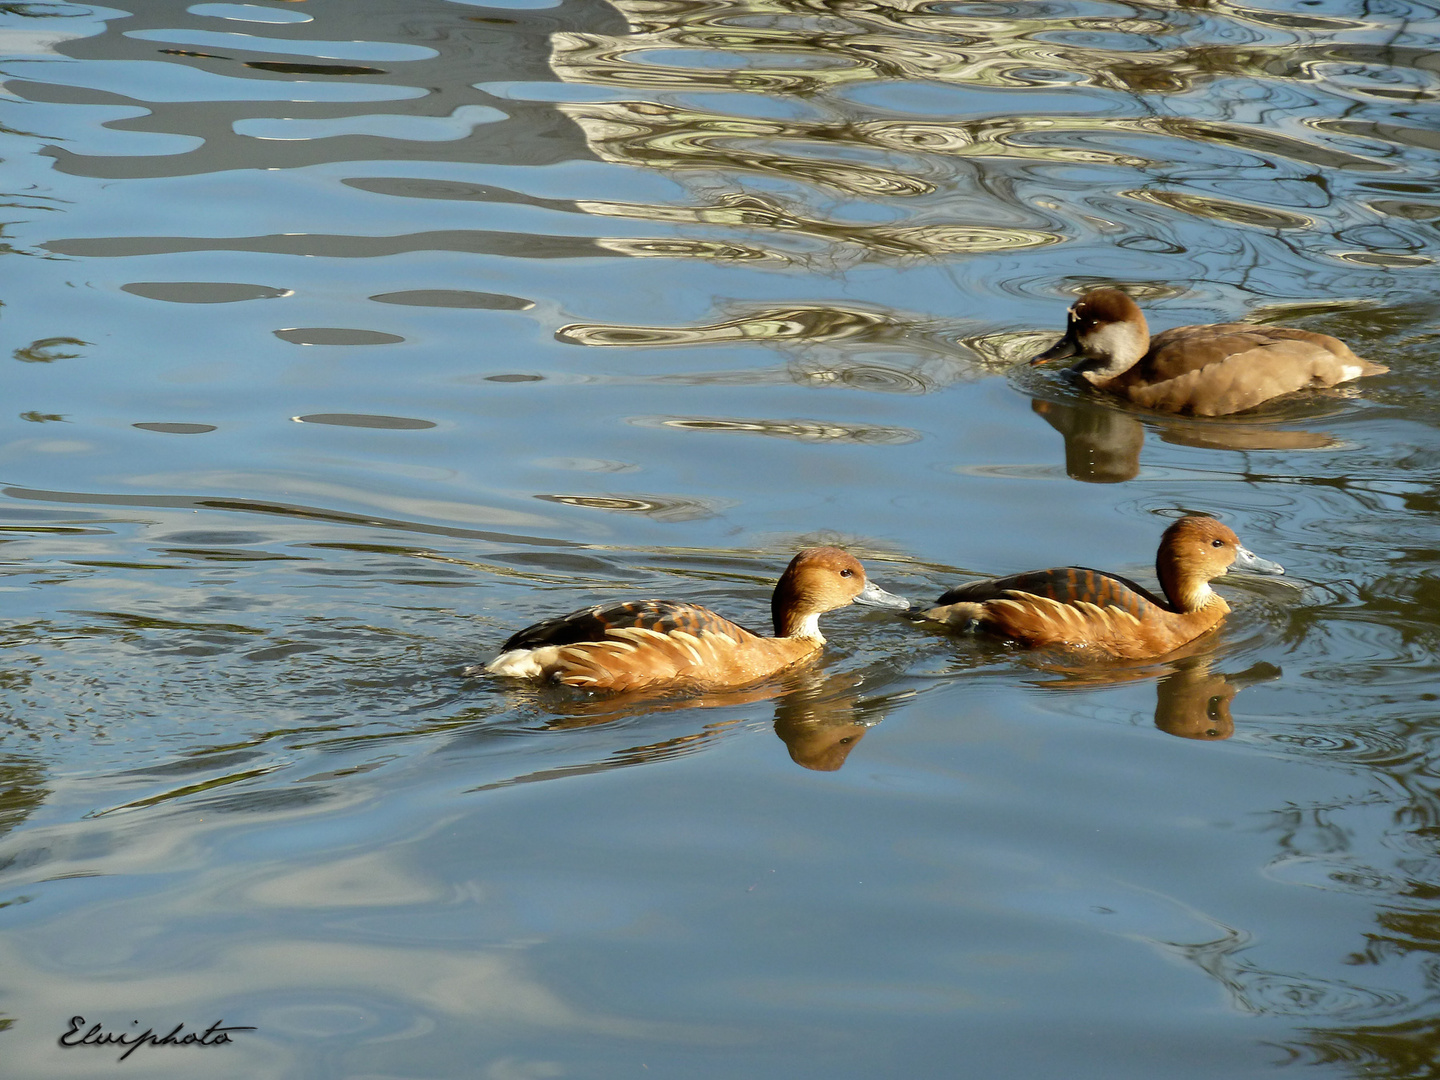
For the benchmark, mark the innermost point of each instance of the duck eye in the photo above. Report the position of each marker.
(1217, 543)
(847, 573)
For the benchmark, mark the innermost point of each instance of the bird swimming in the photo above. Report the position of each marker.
(647, 644)
(1076, 608)
(1203, 370)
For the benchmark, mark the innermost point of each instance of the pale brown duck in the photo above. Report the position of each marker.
(1076, 608)
(646, 644)
(1210, 370)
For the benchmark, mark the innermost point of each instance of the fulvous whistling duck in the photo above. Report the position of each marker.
(1201, 370)
(663, 643)
(1072, 607)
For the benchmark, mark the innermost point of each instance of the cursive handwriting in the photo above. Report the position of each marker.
(214, 1035)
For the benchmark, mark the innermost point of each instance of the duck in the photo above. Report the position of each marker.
(1076, 608)
(1209, 370)
(667, 644)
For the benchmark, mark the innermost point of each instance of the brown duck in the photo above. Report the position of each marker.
(646, 644)
(1209, 370)
(1072, 607)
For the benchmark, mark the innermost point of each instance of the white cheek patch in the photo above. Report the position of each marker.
(1110, 340)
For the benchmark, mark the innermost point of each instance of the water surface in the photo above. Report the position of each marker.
(348, 338)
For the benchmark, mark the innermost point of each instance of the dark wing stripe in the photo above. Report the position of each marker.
(1064, 585)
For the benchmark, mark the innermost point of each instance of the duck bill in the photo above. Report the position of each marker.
(1245, 559)
(1063, 349)
(874, 596)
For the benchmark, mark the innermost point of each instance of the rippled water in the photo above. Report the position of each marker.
(348, 338)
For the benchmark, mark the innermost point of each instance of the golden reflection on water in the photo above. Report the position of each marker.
(820, 716)
(1128, 75)
(831, 346)
(812, 324)
(1192, 699)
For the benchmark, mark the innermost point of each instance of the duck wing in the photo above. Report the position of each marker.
(1229, 367)
(1062, 585)
(597, 623)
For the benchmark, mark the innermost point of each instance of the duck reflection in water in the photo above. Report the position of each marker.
(1103, 443)
(819, 717)
(1192, 700)
(821, 723)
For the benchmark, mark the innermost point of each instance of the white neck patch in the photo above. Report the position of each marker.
(810, 627)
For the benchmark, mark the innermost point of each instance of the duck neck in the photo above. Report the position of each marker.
(1186, 592)
(795, 625)
(792, 616)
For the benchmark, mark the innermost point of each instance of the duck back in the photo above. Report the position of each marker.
(1230, 367)
(1062, 584)
(592, 623)
(643, 643)
(1074, 607)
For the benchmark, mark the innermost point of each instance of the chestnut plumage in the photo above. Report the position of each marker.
(644, 644)
(1074, 607)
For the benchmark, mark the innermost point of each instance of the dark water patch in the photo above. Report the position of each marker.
(455, 298)
(287, 68)
(564, 564)
(422, 187)
(207, 760)
(514, 245)
(329, 50)
(282, 510)
(216, 537)
(202, 292)
(355, 420)
(176, 428)
(1412, 211)
(335, 335)
(228, 555)
(280, 652)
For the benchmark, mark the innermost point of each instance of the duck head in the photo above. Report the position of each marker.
(1107, 329)
(1194, 551)
(818, 580)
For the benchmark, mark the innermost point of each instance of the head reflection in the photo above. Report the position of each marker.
(1193, 702)
(1192, 699)
(822, 722)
